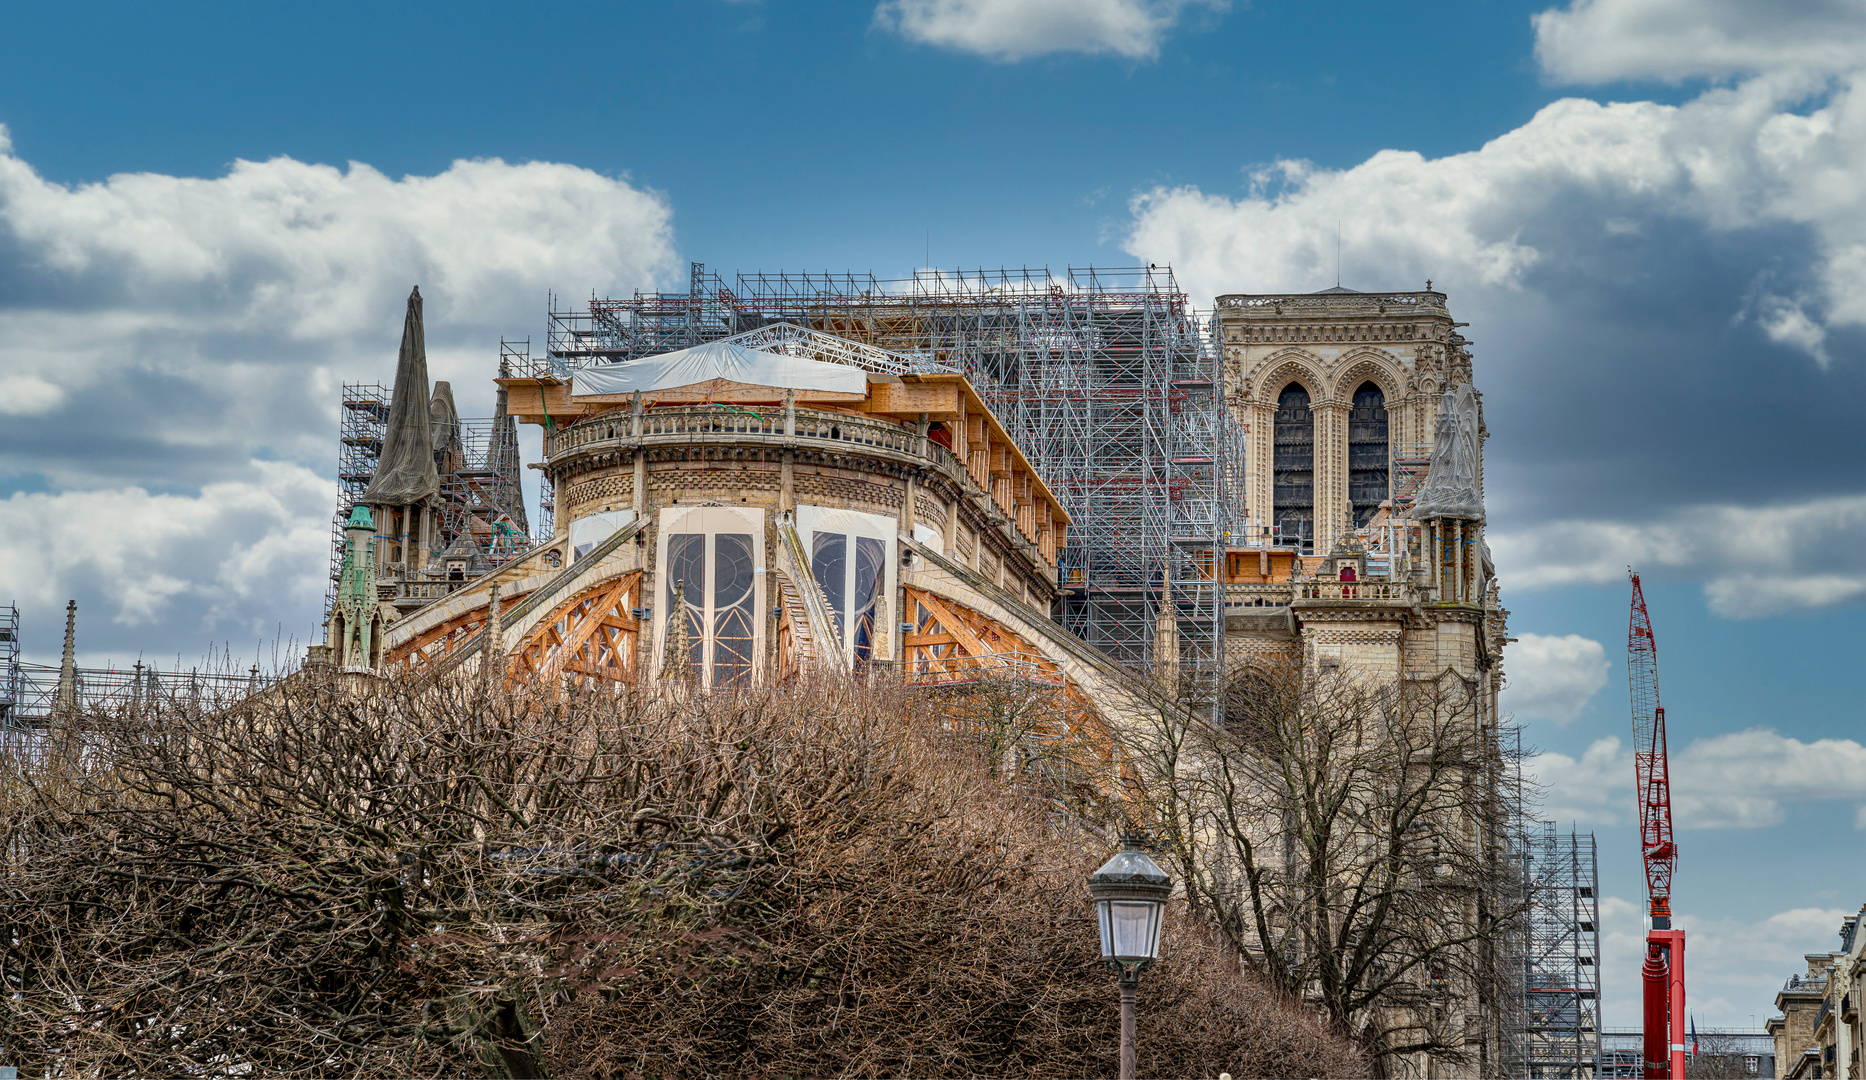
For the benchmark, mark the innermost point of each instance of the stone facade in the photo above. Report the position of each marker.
(850, 535)
(1330, 345)
(1339, 396)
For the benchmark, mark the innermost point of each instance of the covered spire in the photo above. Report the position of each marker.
(405, 472)
(1450, 489)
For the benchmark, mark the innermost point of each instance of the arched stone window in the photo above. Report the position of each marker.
(1294, 466)
(1367, 453)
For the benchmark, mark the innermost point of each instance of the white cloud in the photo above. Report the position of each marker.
(159, 335)
(1016, 29)
(27, 395)
(1756, 561)
(244, 555)
(1734, 965)
(1594, 789)
(1553, 677)
(1583, 171)
(1742, 779)
(1738, 780)
(1596, 41)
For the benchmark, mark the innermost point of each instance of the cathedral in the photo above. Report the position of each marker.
(745, 510)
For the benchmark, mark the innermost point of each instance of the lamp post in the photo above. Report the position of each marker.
(1129, 893)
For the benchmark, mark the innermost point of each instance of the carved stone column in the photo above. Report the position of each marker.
(1331, 472)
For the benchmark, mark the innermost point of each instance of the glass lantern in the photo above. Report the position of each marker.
(1130, 893)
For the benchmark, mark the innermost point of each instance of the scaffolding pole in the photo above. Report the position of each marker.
(478, 462)
(1556, 1022)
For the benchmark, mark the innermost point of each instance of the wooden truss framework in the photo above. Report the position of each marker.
(951, 643)
(952, 646)
(591, 637)
(438, 642)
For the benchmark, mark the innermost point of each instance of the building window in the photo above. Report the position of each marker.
(1294, 466)
(853, 572)
(709, 573)
(715, 595)
(1367, 453)
(852, 561)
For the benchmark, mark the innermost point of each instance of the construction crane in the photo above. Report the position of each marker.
(1664, 970)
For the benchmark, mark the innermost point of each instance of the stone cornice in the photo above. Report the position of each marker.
(1279, 306)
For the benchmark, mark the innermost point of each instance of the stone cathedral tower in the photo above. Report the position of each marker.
(1363, 550)
(1364, 539)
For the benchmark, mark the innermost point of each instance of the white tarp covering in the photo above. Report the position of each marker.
(719, 360)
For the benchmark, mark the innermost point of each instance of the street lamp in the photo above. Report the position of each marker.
(1129, 892)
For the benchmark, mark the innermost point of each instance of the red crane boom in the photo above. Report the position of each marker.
(1663, 972)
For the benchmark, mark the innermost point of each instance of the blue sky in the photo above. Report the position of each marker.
(1649, 210)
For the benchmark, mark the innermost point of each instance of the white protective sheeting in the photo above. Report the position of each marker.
(719, 360)
(1450, 488)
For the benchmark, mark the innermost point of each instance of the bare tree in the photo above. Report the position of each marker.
(359, 876)
(1344, 833)
(1721, 1055)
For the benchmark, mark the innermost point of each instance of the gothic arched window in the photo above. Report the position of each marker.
(1294, 466)
(1367, 453)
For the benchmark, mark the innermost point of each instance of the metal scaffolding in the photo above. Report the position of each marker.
(9, 664)
(1556, 1033)
(478, 462)
(1107, 378)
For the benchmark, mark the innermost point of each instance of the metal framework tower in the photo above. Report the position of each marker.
(1560, 1019)
(1107, 378)
(9, 663)
(479, 476)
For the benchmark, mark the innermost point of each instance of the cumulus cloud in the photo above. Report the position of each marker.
(1643, 281)
(1734, 963)
(1016, 29)
(171, 349)
(1596, 41)
(1755, 561)
(1593, 789)
(245, 555)
(1553, 677)
(1503, 218)
(1738, 780)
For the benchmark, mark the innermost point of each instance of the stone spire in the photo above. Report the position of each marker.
(405, 472)
(492, 660)
(68, 664)
(677, 662)
(1166, 634)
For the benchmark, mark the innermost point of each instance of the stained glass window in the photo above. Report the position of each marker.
(732, 609)
(852, 587)
(1367, 452)
(1294, 465)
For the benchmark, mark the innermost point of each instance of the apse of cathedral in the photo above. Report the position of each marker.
(782, 502)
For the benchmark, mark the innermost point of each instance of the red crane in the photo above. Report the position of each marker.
(1664, 970)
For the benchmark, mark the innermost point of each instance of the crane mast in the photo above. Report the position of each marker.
(1663, 972)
